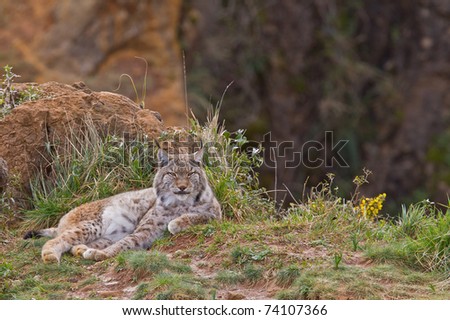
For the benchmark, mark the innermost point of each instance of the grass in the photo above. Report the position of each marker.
(286, 276)
(253, 273)
(229, 277)
(421, 239)
(169, 279)
(171, 286)
(24, 276)
(431, 248)
(144, 264)
(279, 253)
(337, 258)
(232, 171)
(355, 238)
(87, 166)
(242, 255)
(318, 248)
(375, 282)
(412, 219)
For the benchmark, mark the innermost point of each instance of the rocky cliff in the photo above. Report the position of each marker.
(97, 41)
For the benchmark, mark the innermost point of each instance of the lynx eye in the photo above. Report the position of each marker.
(172, 174)
(190, 174)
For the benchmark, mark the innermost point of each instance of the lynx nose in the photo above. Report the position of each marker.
(182, 188)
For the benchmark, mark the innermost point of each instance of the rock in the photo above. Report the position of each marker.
(233, 295)
(29, 127)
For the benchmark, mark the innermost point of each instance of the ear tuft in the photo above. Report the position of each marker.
(163, 158)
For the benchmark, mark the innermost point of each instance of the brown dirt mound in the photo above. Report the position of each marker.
(26, 130)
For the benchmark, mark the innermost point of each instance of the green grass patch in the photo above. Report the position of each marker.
(144, 263)
(241, 255)
(286, 276)
(378, 282)
(422, 240)
(253, 273)
(165, 278)
(169, 286)
(229, 277)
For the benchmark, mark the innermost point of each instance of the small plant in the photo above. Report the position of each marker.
(359, 181)
(140, 100)
(414, 218)
(239, 255)
(31, 93)
(337, 258)
(355, 238)
(9, 96)
(7, 91)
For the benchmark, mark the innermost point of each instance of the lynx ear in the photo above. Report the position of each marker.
(198, 156)
(163, 158)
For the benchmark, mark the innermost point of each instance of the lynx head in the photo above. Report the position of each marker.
(180, 176)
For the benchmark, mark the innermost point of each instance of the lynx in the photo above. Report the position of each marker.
(180, 197)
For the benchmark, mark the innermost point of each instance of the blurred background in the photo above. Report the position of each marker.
(375, 72)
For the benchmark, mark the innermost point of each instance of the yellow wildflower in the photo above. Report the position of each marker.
(370, 207)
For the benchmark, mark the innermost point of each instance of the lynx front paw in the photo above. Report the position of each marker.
(79, 250)
(49, 256)
(94, 254)
(174, 227)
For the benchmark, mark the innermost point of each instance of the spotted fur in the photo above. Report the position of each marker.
(180, 197)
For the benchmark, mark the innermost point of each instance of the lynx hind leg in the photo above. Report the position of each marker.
(146, 232)
(53, 249)
(185, 221)
(80, 249)
(49, 255)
